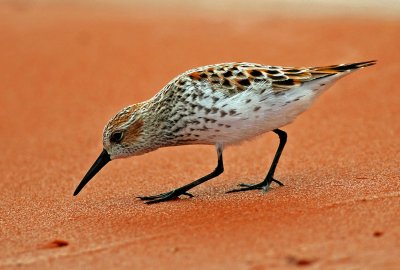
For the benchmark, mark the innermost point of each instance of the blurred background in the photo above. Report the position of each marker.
(81, 54)
(387, 8)
(66, 67)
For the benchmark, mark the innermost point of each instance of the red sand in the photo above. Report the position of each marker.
(65, 72)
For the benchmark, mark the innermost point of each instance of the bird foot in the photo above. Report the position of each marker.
(264, 186)
(163, 197)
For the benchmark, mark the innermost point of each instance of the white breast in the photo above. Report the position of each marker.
(230, 119)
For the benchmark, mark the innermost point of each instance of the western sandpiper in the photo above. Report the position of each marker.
(216, 105)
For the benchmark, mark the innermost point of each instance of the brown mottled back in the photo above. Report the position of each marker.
(233, 78)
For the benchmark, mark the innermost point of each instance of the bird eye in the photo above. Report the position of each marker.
(116, 137)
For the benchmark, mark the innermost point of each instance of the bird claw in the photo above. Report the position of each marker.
(278, 182)
(171, 195)
(264, 186)
(246, 187)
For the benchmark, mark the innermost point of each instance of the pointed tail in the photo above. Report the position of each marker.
(343, 67)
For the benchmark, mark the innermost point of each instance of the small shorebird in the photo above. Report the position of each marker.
(216, 105)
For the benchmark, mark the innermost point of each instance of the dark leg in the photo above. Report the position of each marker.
(183, 190)
(264, 185)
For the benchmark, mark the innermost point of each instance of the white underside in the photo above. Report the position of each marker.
(275, 111)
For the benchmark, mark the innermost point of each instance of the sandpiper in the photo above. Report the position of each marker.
(217, 105)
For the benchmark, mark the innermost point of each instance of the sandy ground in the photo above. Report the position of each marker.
(65, 71)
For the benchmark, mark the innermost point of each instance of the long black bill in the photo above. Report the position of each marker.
(101, 161)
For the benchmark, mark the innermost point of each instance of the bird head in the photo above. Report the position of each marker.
(122, 137)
